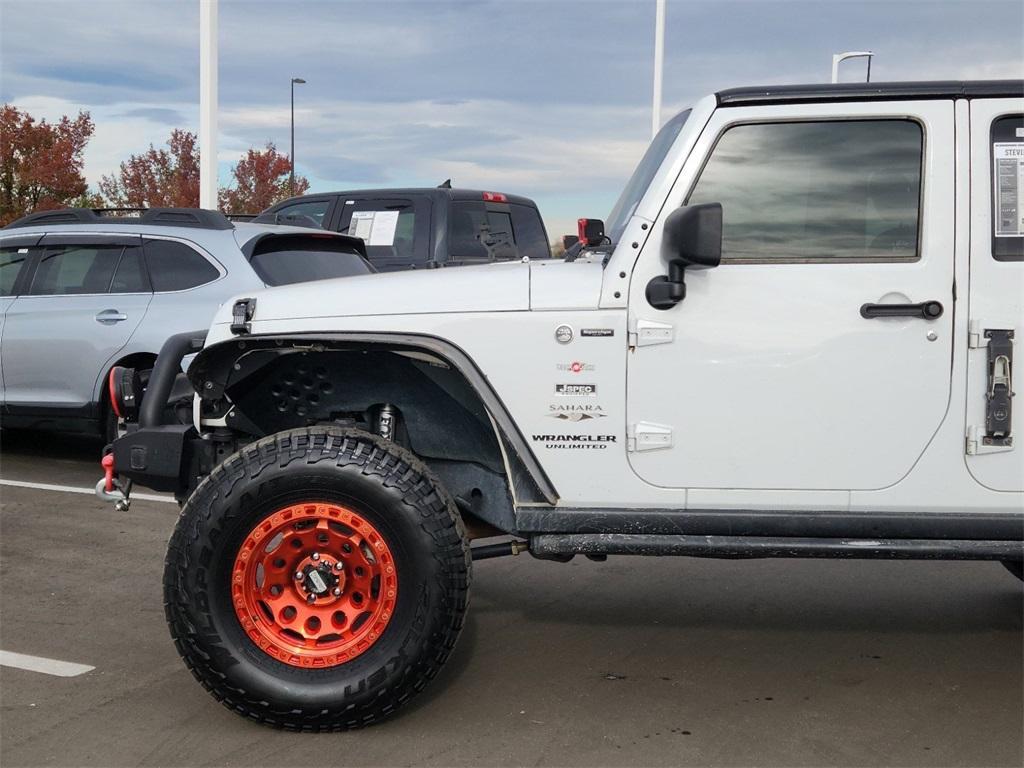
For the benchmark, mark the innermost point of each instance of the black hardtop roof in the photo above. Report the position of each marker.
(196, 218)
(452, 194)
(831, 92)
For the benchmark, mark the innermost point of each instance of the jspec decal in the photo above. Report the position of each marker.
(574, 367)
(576, 390)
(575, 442)
(597, 332)
(576, 412)
(563, 334)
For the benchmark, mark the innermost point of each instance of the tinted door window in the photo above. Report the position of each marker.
(174, 266)
(1007, 139)
(12, 261)
(129, 277)
(388, 227)
(531, 238)
(314, 209)
(817, 191)
(76, 269)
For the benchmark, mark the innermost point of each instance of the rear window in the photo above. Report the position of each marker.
(477, 233)
(531, 237)
(287, 259)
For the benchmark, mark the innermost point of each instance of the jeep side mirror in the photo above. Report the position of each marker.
(692, 237)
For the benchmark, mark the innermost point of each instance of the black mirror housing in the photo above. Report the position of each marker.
(693, 236)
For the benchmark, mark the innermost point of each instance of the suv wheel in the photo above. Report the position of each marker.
(317, 579)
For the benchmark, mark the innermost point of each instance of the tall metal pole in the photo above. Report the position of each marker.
(659, 60)
(291, 156)
(208, 104)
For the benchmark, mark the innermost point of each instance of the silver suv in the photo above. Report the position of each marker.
(82, 292)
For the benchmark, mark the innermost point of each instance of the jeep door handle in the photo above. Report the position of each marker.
(109, 316)
(926, 310)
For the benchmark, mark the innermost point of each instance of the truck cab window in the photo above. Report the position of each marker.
(531, 237)
(314, 209)
(816, 191)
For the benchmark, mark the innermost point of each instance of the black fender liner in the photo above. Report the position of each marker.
(213, 368)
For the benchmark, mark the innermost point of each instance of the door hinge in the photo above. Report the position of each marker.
(646, 333)
(644, 436)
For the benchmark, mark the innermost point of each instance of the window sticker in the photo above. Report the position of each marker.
(1008, 166)
(375, 227)
(384, 225)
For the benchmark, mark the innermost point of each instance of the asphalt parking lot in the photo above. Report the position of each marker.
(628, 662)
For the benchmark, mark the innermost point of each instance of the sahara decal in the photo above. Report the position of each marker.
(600, 332)
(575, 442)
(576, 390)
(574, 367)
(563, 334)
(576, 412)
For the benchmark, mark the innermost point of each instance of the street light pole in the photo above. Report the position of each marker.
(291, 157)
(659, 61)
(208, 104)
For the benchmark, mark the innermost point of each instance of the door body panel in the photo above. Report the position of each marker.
(996, 299)
(56, 345)
(774, 380)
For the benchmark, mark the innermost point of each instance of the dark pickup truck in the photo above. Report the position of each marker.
(419, 228)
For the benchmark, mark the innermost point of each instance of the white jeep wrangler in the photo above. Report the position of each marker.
(794, 338)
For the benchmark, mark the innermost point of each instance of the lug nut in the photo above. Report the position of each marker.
(338, 566)
(311, 598)
(298, 575)
(337, 591)
(316, 555)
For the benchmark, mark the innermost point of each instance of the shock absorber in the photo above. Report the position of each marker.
(387, 418)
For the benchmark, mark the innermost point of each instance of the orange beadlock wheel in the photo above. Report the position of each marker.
(314, 585)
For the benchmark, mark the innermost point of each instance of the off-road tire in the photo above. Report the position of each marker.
(389, 487)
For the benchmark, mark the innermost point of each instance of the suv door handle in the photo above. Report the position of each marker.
(926, 310)
(109, 316)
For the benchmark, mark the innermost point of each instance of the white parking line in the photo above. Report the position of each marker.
(46, 666)
(72, 489)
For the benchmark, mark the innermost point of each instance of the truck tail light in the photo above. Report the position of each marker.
(495, 197)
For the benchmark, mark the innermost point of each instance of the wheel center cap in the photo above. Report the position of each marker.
(320, 577)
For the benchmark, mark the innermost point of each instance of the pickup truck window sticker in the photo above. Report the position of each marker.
(375, 227)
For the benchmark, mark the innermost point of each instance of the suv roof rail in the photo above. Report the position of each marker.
(198, 218)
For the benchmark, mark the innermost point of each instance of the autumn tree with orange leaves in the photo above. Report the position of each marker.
(158, 178)
(40, 162)
(261, 179)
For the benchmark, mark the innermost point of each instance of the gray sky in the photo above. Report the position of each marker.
(546, 99)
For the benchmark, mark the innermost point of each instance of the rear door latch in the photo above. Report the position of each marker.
(241, 316)
(999, 393)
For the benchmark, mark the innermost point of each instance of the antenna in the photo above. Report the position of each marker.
(838, 58)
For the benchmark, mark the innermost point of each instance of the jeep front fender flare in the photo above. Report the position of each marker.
(216, 365)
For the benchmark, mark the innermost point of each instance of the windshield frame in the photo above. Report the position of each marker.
(640, 181)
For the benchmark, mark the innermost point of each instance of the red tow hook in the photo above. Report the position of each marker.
(107, 462)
